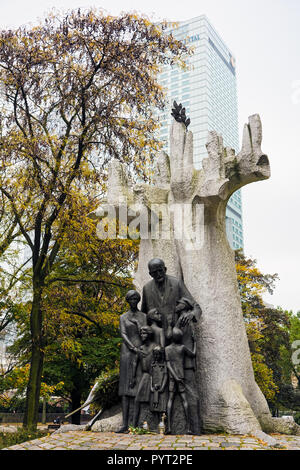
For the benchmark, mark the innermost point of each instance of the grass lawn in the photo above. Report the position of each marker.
(8, 439)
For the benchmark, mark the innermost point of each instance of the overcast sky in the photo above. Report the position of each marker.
(264, 36)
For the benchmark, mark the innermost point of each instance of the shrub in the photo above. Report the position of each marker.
(297, 418)
(8, 439)
(106, 392)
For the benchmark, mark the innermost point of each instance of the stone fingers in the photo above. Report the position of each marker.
(252, 163)
(181, 161)
(256, 133)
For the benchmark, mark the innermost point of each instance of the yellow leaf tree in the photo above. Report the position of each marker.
(76, 90)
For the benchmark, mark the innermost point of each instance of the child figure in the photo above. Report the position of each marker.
(144, 355)
(184, 306)
(159, 378)
(155, 321)
(175, 356)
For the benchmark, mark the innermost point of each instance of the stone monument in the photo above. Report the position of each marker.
(230, 400)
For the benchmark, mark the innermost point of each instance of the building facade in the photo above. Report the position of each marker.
(207, 89)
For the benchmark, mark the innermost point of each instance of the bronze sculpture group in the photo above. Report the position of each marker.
(158, 351)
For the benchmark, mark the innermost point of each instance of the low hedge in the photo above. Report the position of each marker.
(8, 439)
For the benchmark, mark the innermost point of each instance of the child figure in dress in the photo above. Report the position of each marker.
(175, 357)
(145, 357)
(159, 378)
(154, 320)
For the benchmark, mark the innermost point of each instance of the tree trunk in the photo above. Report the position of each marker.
(36, 365)
(44, 415)
(76, 402)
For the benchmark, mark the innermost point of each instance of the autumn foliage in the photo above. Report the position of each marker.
(76, 90)
(266, 326)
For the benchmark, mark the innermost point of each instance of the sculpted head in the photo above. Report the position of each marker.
(158, 354)
(177, 335)
(157, 269)
(146, 333)
(133, 298)
(183, 304)
(154, 316)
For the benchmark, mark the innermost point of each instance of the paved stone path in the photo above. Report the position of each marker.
(87, 440)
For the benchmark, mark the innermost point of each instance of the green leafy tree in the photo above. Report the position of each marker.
(295, 345)
(81, 305)
(267, 328)
(289, 393)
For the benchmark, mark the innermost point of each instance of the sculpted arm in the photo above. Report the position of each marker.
(172, 372)
(125, 337)
(164, 383)
(144, 307)
(162, 338)
(190, 353)
(133, 368)
(170, 367)
(193, 314)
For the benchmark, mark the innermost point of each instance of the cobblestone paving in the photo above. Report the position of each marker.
(85, 440)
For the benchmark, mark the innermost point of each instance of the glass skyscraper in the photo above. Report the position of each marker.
(207, 89)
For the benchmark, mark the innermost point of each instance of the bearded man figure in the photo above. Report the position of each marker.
(164, 293)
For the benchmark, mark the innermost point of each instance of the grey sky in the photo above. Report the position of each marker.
(264, 35)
